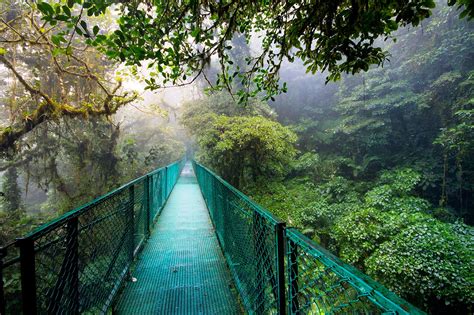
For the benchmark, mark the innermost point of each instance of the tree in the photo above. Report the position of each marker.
(11, 192)
(413, 112)
(243, 149)
(53, 75)
(179, 38)
(197, 114)
(457, 142)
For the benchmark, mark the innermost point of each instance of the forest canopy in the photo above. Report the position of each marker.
(373, 163)
(178, 39)
(54, 77)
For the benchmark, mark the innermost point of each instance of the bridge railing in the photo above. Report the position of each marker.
(77, 262)
(278, 270)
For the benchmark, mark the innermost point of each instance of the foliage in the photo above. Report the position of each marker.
(197, 115)
(180, 38)
(147, 148)
(247, 148)
(312, 166)
(17, 223)
(414, 112)
(385, 175)
(393, 237)
(164, 153)
(73, 162)
(53, 75)
(360, 233)
(287, 199)
(429, 262)
(383, 231)
(312, 208)
(457, 142)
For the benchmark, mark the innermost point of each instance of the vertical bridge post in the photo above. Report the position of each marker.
(28, 275)
(73, 251)
(293, 277)
(147, 191)
(65, 294)
(259, 254)
(131, 221)
(280, 251)
(166, 182)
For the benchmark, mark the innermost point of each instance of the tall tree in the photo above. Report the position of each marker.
(53, 74)
(11, 191)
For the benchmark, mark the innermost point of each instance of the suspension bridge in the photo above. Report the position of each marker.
(180, 240)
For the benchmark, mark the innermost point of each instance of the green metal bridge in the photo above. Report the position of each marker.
(180, 240)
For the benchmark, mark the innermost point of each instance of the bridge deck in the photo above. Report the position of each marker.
(181, 269)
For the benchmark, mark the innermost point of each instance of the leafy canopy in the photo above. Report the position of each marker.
(178, 38)
(244, 149)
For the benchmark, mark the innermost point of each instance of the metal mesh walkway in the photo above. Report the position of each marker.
(181, 269)
(77, 263)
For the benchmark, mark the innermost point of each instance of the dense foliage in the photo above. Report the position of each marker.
(179, 38)
(384, 173)
(240, 148)
(242, 143)
(60, 143)
(377, 168)
(416, 113)
(73, 163)
(53, 76)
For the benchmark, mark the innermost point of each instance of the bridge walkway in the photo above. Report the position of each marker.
(182, 269)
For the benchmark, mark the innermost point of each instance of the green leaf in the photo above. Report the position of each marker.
(56, 39)
(2, 51)
(45, 8)
(78, 30)
(66, 10)
(100, 38)
(195, 32)
(95, 30)
(62, 17)
(84, 25)
(111, 54)
(57, 51)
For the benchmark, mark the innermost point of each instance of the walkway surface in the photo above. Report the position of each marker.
(181, 269)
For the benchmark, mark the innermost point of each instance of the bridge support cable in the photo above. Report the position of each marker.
(279, 270)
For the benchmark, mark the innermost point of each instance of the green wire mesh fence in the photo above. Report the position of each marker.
(278, 270)
(77, 263)
(248, 236)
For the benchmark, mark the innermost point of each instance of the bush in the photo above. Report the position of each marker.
(360, 233)
(430, 262)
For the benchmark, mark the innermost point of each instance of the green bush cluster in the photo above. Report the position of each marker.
(386, 231)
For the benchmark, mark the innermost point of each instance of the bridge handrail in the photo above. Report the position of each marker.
(282, 270)
(87, 249)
